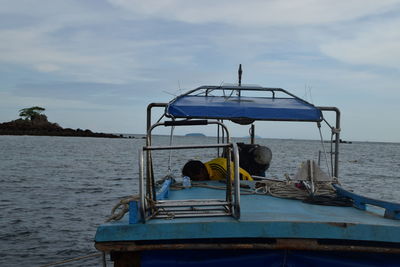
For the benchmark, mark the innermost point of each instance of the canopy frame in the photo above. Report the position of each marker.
(232, 104)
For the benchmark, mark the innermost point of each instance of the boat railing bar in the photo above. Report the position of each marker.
(244, 88)
(149, 167)
(337, 137)
(149, 148)
(192, 202)
(185, 123)
(392, 210)
(142, 206)
(231, 87)
(197, 209)
(240, 89)
(230, 207)
(236, 184)
(149, 107)
(177, 147)
(208, 213)
(220, 136)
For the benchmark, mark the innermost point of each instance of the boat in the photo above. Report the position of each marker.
(176, 221)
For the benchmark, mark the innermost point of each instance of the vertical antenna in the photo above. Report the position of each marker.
(240, 74)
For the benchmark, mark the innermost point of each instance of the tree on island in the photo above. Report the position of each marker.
(32, 113)
(33, 122)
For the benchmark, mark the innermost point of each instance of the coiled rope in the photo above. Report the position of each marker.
(122, 207)
(292, 189)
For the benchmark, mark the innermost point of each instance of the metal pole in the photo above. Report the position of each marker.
(252, 134)
(240, 74)
(149, 161)
(142, 205)
(337, 139)
(228, 178)
(337, 132)
(103, 257)
(236, 181)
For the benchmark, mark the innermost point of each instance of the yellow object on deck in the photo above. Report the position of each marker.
(217, 170)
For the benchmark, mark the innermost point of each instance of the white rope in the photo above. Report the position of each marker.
(288, 189)
(122, 207)
(323, 147)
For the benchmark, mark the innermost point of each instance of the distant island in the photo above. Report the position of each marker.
(343, 141)
(33, 122)
(195, 134)
(256, 136)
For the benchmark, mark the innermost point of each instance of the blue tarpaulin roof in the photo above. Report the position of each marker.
(236, 107)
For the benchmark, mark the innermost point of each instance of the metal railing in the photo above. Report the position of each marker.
(151, 207)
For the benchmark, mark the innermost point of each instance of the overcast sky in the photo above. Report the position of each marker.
(96, 64)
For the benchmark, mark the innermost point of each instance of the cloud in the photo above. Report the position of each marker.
(256, 13)
(124, 41)
(45, 67)
(101, 56)
(73, 40)
(10, 100)
(37, 48)
(374, 44)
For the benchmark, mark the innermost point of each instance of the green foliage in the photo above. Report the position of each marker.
(29, 113)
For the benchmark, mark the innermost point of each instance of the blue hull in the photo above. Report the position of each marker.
(270, 232)
(240, 258)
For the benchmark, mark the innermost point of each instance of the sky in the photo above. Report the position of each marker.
(96, 64)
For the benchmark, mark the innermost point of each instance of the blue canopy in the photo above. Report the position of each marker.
(237, 107)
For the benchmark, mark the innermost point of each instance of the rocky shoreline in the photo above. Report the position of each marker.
(41, 127)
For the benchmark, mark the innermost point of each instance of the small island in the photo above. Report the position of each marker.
(33, 122)
(195, 134)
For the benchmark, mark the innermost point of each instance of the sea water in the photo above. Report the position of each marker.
(55, 191)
